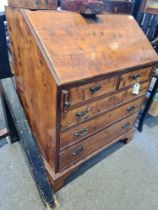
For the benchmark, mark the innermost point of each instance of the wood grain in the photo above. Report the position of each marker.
(122, 7)
(87, 49)
(131, 78)
(94, 142)
(35, 85)
(81, 131)
(63, 57)
(99, 106)
(33, 4)
(85, 92)
(83, 6)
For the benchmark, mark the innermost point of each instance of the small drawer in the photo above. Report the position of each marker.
(131, 78)
(95, 142)
(82, 113)
(81, 93)
(76, 133)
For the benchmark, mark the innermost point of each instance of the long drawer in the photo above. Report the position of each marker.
(95, 142)
(80, 114)
(132, 77)
(76, 133)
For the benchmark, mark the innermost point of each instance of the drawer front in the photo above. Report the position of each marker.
(73, 134)
(85, 92)
(95, 142)
(80, 114)
(134, 76)
(119, 7)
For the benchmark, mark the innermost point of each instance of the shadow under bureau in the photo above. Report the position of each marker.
(81, 82)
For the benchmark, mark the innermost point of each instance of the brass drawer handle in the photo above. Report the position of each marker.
(82, 132)
(78, 150)
(131, 108)
(65, 99)
(84, 114)
(95, 89)
(136, 76)
(126, 126)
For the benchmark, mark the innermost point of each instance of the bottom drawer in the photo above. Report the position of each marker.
(91, 144)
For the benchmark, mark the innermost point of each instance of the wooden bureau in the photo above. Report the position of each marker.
(75, 78)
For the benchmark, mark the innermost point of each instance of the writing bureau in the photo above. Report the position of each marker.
(81, 82)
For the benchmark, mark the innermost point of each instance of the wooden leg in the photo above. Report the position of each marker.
(128, 139)
(58, 183)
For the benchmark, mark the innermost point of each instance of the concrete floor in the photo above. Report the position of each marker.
(126, 179)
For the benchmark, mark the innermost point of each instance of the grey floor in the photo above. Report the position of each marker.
(123, 177)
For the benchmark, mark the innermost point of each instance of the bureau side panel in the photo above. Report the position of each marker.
(35, 85)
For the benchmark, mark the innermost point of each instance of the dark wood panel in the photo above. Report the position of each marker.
(83, 6)
(124, 7)
(88, 146)
(33, 4)
(78, 132)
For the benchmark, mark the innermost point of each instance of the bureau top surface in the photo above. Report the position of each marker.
(79, 48)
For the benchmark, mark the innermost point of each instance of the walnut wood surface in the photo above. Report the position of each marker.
(95, 142)
(84, 92)
(35, 85)
(33, 4)
(79, 49)
(69, 118)
(58, 57)
(88, 128)
(135, 76)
